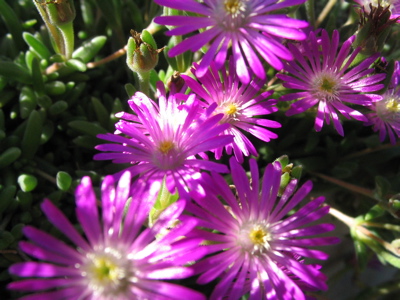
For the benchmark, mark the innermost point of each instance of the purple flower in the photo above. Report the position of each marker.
(116, 260)
(239, 104)
(249, 27)
(253, 247)
(386, 113)
(163, 141)
(322, 75)
(394, 6)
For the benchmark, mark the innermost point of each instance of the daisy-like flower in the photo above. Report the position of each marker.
(163, 141)
(394, 6)
(239, 104)
(250, 27)
(386, 113)
(253, 247)
(321, 74)
(116, 260)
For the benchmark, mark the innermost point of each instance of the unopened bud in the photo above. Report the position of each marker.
(176, 83)
(375, 26)
(142, 55)
(58, 12)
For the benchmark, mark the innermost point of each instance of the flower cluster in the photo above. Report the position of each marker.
(117, 259)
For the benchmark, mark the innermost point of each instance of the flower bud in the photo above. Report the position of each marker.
(142, 55)
(375, 26)
(288, 172)
(58, 12)
(176, 83)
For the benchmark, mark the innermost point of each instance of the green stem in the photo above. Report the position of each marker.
(144, 82)
(349, 221)
(67, 32)
(348, 186)
(385, 226)
(179, 58)
(325, 12)
(371, 150)
(310, 10)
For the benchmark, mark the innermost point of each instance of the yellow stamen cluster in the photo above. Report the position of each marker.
(104, 270)
(231, 109)
(326, 87)
(232, 6)
(166, 146)
(258, 235)
(393, 105)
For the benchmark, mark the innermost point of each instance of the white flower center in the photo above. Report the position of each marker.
(108, 272)
(389, 108)
(374, 3)
(326, 87)
(254, 238)
(232, 14)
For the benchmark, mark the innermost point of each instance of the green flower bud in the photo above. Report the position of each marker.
(58, 16)
(58, 12)
(375, 26)
(142, 55)
(288, 172)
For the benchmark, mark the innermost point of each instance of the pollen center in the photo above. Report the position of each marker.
(254, 238)
(233, 6)
(258, 235)
(231, 109)
(166, 146)
(326, 87)
(388, 109)
(393, 105)
(104, 269)
(108, 273)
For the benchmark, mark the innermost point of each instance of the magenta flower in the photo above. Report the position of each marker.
(250, 27)
(116, 260)
(239, 103)
(162, 141)
(253, 247)
(321, 74)
(386, 113)
(394, 6)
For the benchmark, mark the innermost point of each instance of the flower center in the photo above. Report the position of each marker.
(389, 108)
(231, 109)
(258, 235)
(254, 238)
(231, 14)
(233, 6)
(166, 146)
(108, 273)
(326, 87)
(393, 105)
